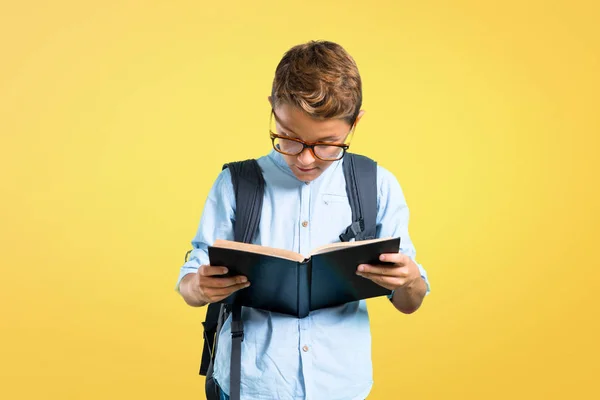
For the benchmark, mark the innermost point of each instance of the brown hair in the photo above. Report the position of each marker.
(321, 78)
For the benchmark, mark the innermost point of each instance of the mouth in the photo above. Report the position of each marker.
(306, 170)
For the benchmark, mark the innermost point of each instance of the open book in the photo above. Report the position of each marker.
(287, 282)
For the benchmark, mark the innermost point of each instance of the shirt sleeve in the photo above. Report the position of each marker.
(216, 222)
(393, 216)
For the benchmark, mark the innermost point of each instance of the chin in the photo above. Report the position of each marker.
(307, 176)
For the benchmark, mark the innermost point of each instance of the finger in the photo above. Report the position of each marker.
(381, 270)
(387, 282)
(218, 294)
(396, 258)
(209, 270)
(211, 282)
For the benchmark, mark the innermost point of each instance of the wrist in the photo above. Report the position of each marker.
(408, 298)
(197, 295)
(191, 296)
(417, 286)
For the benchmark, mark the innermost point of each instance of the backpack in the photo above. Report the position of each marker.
(360, 173)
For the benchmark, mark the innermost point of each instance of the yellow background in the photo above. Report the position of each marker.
(116, 116)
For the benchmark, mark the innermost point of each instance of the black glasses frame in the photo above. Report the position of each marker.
(306, 145)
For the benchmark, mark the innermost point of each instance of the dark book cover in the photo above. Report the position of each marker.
(297, 287)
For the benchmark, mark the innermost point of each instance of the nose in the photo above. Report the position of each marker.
(306, 157)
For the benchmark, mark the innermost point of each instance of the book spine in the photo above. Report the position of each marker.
(303, 290)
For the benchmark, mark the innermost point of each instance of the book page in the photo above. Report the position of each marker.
(257, 249)
(341, 245)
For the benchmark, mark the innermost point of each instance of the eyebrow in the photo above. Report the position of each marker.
(329, 139)
(325, 139)
(284, 127)
(321, 140)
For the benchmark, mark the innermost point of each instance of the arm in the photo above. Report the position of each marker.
(407, 279)
(198, 283)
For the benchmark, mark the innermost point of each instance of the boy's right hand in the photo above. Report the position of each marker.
(210, 287)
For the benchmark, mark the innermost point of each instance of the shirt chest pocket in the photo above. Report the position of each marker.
(334, 199)
(333, 215)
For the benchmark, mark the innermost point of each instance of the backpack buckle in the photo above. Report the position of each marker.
(237, 325)
(237, 334)
(353, 230)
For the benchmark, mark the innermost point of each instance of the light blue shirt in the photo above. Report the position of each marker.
(326, 355)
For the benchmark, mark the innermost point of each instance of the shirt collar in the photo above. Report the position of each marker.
(278, 159)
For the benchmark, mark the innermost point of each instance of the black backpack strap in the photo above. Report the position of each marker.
(249, 184)
(361, 187)
(248, 187)
(237, 336)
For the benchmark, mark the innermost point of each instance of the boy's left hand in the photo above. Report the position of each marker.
(402, 273)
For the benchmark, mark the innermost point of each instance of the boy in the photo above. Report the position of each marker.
(316, 98)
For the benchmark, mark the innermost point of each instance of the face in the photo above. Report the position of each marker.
(295, 123)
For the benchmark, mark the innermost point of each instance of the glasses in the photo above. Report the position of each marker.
(293, 147)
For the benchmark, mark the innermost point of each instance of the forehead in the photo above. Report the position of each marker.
(297, 123)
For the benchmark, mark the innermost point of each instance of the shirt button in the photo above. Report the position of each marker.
(305, 224)
(305, 348)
